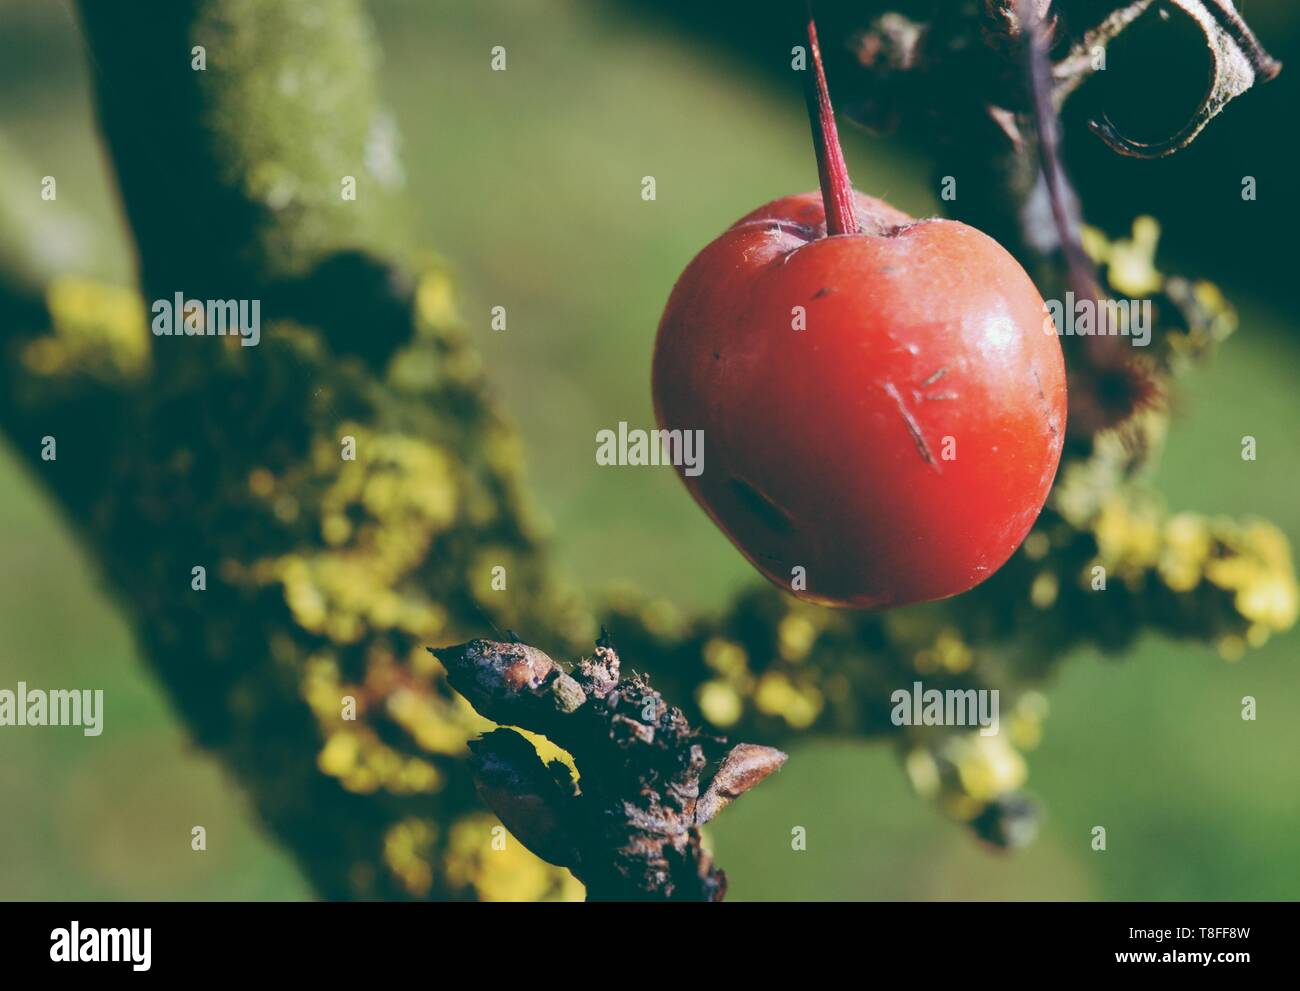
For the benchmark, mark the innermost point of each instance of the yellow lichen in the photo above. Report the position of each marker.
(483, 857)
(726, 657)
(408, 853)
(1128, 536)
(1044, 589)
(798, 704)
(720, 703)
(98, 330)
(1260, 572)
(1037, 545)
(987, 765)
(1130, 262)
(948, 653)
(795, 637)
(435, 298)
(1187, 545)
(1025, 721)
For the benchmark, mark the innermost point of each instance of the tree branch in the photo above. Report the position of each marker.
(629, 829)
(302, 663)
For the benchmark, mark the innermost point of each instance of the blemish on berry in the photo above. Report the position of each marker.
(772, 515)
(913, 427)
(934, 378)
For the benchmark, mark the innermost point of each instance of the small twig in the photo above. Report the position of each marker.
(629, 828)
(1081, 273)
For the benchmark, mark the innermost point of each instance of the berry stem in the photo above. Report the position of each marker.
(837, 190)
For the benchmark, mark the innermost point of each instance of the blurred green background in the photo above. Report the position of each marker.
(529, 182)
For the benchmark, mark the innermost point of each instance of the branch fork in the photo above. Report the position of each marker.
(629, 827)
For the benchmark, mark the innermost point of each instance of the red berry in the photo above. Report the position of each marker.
(899, 446)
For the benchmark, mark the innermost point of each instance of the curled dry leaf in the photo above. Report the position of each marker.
(1239, 61)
